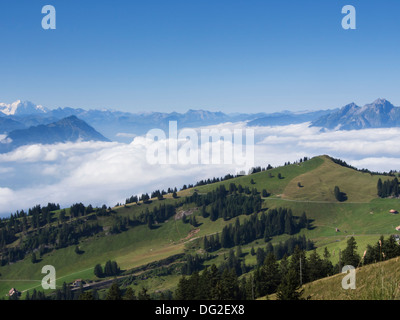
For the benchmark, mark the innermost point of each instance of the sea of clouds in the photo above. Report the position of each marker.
(108, 172)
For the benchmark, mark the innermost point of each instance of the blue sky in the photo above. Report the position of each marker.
(172, 55)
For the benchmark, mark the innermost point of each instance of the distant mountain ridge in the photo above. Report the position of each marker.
(123, 126)
(287, 117)
(378, 114)
(21, 108)
(111, 123)
(70, 129)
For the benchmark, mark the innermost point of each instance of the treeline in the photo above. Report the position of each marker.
(251, 171)
(389, 188)
(145, 197)
(157, 215)
(259, 226)
(160, 193)
(21, 221)
(40, 231)
(342, 163)
(38, 217)
(46, 239)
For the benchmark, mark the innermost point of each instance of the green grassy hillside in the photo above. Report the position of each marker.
(378, 281)
(318, 184)
(364, 215)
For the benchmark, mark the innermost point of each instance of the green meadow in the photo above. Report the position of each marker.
(303, 187)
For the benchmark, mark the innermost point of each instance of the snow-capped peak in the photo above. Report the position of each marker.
(21, 108)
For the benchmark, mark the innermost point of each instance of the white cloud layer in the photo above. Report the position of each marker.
(108, 172)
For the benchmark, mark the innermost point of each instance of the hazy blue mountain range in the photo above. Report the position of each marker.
(8, 125)
(287, 117)
(115, 125)
(378, 114)
(69, 129)
(123, 126)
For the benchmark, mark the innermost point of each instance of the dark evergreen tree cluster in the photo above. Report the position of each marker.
(211, 243)
(342, 163)
(77, 210)
(283, 248)
(111, 269)
(120, 224)
(50, 237)
(384, 249)
(212, 284)
(193, 263)
(158, 194)
(159, 214)
(144, 197)
(286, 277)
(234, 262)
(36, 295)
(132, 199)
(389, 188)
(258, 226)
(40, 216)
(226, 204)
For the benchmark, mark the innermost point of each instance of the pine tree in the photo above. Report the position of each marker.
(339, 196)
(239, 252)
(267, 277)
(206, 245)
(114, 293)
(229, 285)
(316, 268)
(98, 271)
(380, 188)
(264, 193)
(289, 288)
(298, 262)
(260, 256)
(303, 222)
(350, 255)
(150, 221)
(114, 268)
(336, 192)
(193, 221)
(289, 228)
(204, 212)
